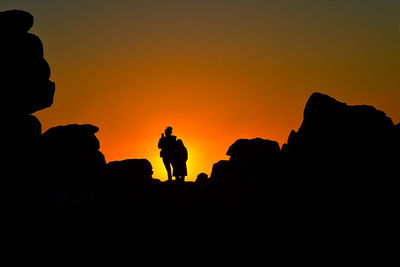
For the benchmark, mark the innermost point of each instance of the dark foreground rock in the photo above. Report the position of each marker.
(261, 207)
(71, 153)
(334, 131)
(129, 172)
(251, 162)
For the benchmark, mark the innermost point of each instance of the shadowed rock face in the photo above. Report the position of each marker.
(254, 151)
(129, 171)
(348, 135)
(251, 161)
(72, 151)
(24, 73)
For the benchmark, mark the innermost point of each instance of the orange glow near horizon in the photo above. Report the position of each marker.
(215, 71)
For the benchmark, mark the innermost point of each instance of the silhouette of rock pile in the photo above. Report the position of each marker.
(129, 171)
(26, 88)
(25, 74)
(24, 78)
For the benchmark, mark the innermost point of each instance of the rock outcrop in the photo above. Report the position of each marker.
(254, 152)
(72, 152)
(250, 163)
(129, 172)
(342, 138)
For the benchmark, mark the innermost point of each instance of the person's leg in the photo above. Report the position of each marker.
(167, 165)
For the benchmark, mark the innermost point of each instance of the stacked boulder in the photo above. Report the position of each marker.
(26, 88)
(66, 151)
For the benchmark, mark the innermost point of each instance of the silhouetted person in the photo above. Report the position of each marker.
(167, 144)
(179, 162)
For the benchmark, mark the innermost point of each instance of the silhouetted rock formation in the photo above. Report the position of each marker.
(129, 171)
(343, 159)
(250, 161)
(25, 86)
(24, 72)
(72, 152)
(338, 137)
(254, 152)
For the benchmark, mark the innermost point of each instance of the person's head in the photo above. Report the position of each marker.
(179, 142)
(168, 131)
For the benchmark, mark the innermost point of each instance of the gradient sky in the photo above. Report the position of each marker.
(214, 70)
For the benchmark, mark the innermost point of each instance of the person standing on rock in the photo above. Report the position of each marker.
(167, 144)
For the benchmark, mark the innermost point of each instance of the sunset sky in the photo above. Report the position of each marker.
(215, 71)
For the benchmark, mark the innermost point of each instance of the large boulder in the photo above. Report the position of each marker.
(341, 136)
(343, 158)
(251, 162)
(343, 164)
(24, 73)
(129, 171)
(254, 151)
(15, 21)
(72, 152)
